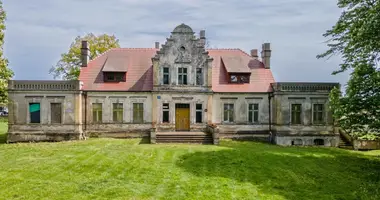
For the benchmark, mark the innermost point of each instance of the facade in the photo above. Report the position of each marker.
(180, 87)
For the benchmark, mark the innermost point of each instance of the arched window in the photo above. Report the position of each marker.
(297, 142)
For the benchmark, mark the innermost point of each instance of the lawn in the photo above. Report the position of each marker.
(131, 169)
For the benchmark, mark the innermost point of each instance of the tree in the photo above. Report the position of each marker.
(356, 37)
(5, 72)
(68, 67)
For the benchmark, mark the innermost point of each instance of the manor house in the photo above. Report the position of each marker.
(177, 92)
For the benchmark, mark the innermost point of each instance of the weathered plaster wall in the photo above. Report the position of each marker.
(21, 93)
(241, 128)
(174, 98)
(114, 129)
(307, 132)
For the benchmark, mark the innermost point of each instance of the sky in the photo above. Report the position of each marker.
(39, 31)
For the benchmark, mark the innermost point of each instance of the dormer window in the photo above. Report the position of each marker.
(114, 76)
(239, 78)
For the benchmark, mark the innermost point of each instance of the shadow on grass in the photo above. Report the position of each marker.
(3, 138)
(293, 173)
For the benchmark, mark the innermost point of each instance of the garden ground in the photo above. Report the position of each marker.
(132, 169)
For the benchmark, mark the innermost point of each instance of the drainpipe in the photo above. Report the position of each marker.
(270, 96)
(85, 110)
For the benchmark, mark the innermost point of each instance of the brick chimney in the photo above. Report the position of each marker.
(266, 54)
(157, 45)
(85, 53)
(254, 54)
(202, 37)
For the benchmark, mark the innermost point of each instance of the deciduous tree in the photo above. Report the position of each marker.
(5, 72)
(68, 67)
(356, 37)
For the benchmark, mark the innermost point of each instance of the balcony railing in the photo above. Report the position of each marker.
(303, 87)
(31, 85)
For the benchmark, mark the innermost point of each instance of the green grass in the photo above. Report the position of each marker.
(130, 169)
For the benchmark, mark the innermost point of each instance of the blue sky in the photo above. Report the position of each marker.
(39, 31)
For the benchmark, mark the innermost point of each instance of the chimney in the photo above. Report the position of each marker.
(202, 37)
(254, 54)
(85, 53)
(157, 45)
(265, 55)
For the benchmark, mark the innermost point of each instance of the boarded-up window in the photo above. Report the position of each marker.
(296, 114)
(35, 112)
(56, 113)
(318, 113)
(117, 112)
(166, 75)
(138, 113)
(199, 76)
(228, 112)
(253, 113)
(97, 112)
(198, 113)
(165, 112)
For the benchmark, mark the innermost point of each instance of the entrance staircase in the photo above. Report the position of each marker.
(345, 142)
(184, 137)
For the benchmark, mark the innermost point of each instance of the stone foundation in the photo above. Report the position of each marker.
(300, 140)
(42, 137)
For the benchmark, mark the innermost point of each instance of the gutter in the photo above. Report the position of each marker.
(85, 110)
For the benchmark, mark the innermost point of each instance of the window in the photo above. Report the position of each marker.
(199, 80)
(166, 75)
(165, 112)
(182, 76)
(114, 76)
(34, 112)
(296, 114)
(239, 78)
(228, 112)
(198, 113)
(117, 112)
(56, 113)
(319, 142)
(318, 113)
(97, 112)
(253, 113)
(138, 113)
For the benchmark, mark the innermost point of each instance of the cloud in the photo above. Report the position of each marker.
(39, 31)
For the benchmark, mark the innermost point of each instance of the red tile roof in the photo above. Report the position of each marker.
(260, 79)
(137, 62)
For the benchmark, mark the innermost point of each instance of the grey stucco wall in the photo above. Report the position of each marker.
(115, 129)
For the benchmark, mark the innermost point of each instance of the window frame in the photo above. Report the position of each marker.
(228, 110)
(239, 78)
(296, 111)
(321, 112)
(199, 76)
(164, 110)
(99, 113)
(117, 77)
(139, 108)
(198, 110)
(182, 76)
(60, 110)
(252, 112)
(30, 114)
(165, 74)
(117, 108)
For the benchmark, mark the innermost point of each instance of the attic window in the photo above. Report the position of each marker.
(114, 76)
(239, 78)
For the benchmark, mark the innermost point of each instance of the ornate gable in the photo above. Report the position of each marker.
(183, 60)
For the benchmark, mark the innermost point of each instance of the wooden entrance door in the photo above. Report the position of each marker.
(182, 117)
